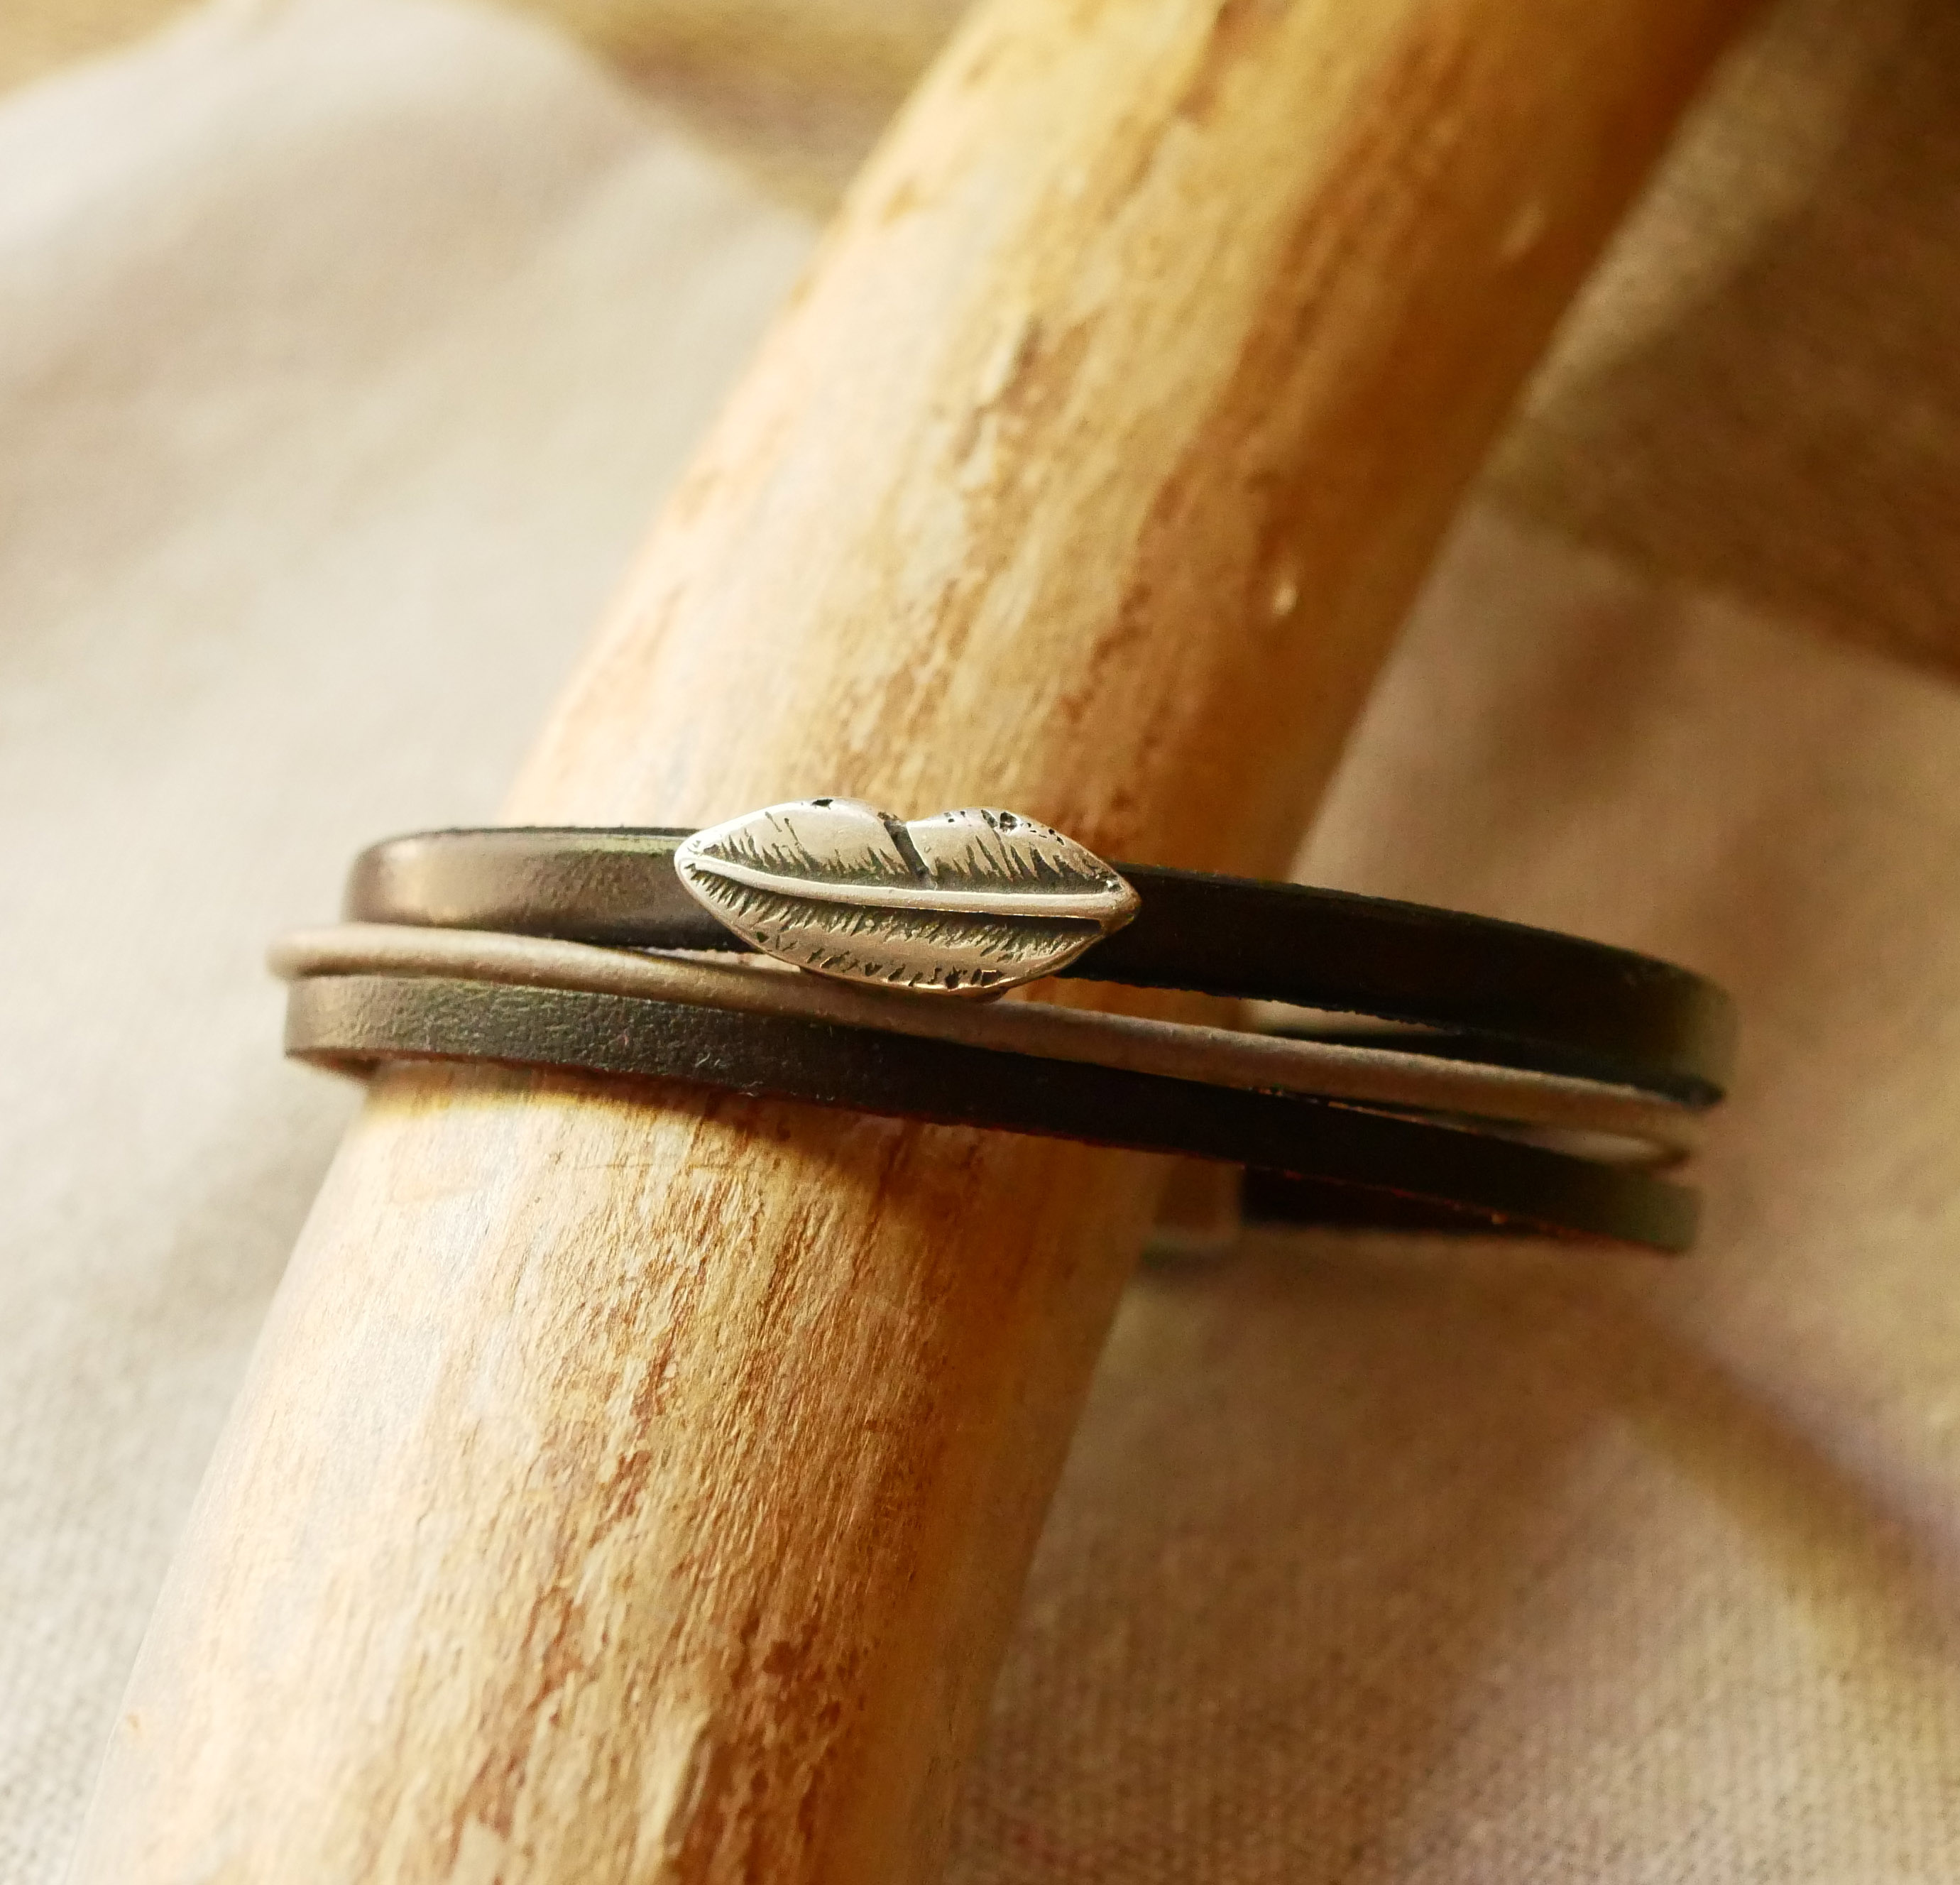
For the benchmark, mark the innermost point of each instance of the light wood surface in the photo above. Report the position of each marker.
(638, 1485)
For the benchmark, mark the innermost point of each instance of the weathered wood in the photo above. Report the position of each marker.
(636, 1486)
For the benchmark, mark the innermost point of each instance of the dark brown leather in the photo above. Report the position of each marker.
(1311, 1160)
(1507, 993)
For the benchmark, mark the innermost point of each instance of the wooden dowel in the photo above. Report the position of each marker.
(638, 1485)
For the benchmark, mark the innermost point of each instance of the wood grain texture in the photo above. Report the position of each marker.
(637, 1486)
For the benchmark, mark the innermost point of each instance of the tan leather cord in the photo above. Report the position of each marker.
(1667, 1132)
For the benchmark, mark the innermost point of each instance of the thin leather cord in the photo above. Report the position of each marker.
(1307, 1145)
(1656, 1133)
(1559, 1003)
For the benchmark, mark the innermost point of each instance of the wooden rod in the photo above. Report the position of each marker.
(638, 1485)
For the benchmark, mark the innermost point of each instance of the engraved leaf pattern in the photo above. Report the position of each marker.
(968, 903)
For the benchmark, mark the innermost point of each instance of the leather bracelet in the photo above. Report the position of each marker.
(1506, 994)
(1309, 1159)
(1565, 1112)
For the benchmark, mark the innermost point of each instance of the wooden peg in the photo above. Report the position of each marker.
(636, 1486)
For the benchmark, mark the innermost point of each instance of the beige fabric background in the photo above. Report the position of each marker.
(344, 346)
(1758, 393)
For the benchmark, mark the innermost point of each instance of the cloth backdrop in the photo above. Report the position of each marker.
(345, 346)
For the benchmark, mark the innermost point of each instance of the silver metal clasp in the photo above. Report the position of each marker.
(969, 902)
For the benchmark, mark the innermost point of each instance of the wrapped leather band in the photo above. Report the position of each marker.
(1521, 996)
(1302, 1150)
(1657, 1132)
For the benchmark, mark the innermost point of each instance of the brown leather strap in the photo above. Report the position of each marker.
(1520, 996)
(1582, 1116)
(1497, 1183)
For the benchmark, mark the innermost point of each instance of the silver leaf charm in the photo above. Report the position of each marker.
(969, 902)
